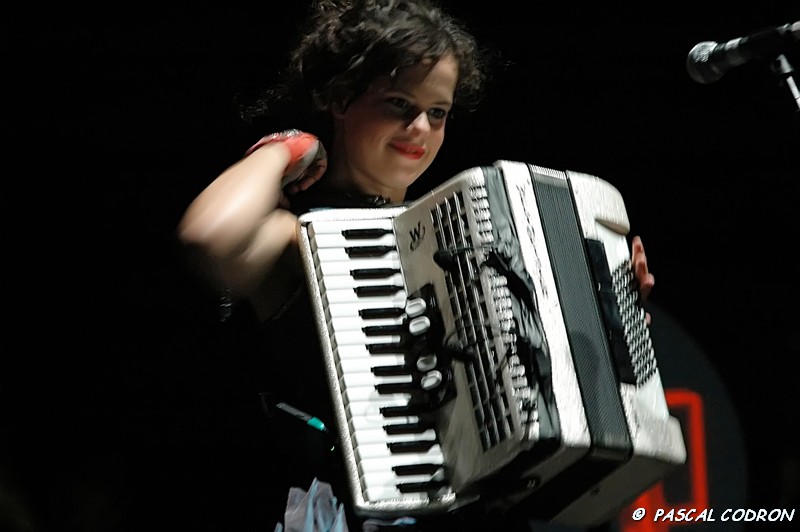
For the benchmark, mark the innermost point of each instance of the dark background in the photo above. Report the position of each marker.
(121, 391)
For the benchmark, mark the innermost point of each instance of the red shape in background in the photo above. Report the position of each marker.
(685, 405)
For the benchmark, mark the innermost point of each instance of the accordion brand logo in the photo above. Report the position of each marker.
(417, 234)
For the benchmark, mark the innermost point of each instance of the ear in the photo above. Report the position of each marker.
(339, 108)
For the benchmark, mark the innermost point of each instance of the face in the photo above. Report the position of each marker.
(387, 137)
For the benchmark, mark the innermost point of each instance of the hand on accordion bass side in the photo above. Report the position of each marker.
(645, 279)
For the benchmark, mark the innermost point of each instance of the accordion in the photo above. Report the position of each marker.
(485, 344)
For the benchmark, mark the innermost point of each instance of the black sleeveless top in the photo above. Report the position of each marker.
(296, 376)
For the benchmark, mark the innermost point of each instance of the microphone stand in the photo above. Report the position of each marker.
(784, 70)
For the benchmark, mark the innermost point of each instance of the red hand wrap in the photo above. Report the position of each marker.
(303, 147)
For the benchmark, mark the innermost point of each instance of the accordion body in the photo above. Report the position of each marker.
(485, 344)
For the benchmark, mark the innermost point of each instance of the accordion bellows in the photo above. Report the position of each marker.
(485, 344)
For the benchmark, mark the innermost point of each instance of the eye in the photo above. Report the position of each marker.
(401, 104)
(438, 114)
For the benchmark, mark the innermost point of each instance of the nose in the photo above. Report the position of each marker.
(420, 123)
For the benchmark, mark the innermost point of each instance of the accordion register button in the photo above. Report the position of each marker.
(415, 307)
(431, 380)
(426, 362)
(419, 325)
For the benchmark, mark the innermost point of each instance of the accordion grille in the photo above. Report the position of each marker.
(482, 314)
(636, 331)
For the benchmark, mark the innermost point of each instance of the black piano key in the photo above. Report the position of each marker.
(368, 251)
(390, 371)
(386, 349)
(373, 273)
(378, 313)
(377, 290)
(423, 487)
(371, 233)
(398, 411)
(416, 469)
(397, 387)
(419, 446)
(408, 428)
(381, 330)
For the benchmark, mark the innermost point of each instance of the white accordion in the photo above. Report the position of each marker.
(485, 344)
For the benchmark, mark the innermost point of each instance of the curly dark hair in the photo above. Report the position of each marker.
(345, 44)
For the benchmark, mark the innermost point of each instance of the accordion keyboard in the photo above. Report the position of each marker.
(371, 326)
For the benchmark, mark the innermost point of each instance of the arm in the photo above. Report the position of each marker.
(239, 225)
(236, 222)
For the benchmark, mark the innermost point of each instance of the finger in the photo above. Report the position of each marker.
(636, 245)
(646, 285)
(313, 175)
(283, 202)
(292, 188)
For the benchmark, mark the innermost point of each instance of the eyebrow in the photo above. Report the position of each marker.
(446, 102)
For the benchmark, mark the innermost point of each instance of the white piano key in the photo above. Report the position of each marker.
(342, 352)
(351, 310)
(357, 423)
(388, 477)
(384, 483)
(367, 411)
(338, 282)
(365, 365)
(324, 255)
(335, 297)
(337, 226)
(342, 323)
(338, 240)
(368, 379)
(368, 436)
(380, 465)
(345, 267)
(390, 493)
(359, 338)
(369, 393)
(381, 450)
(387, 462)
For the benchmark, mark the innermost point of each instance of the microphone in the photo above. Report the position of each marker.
(708, 61)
